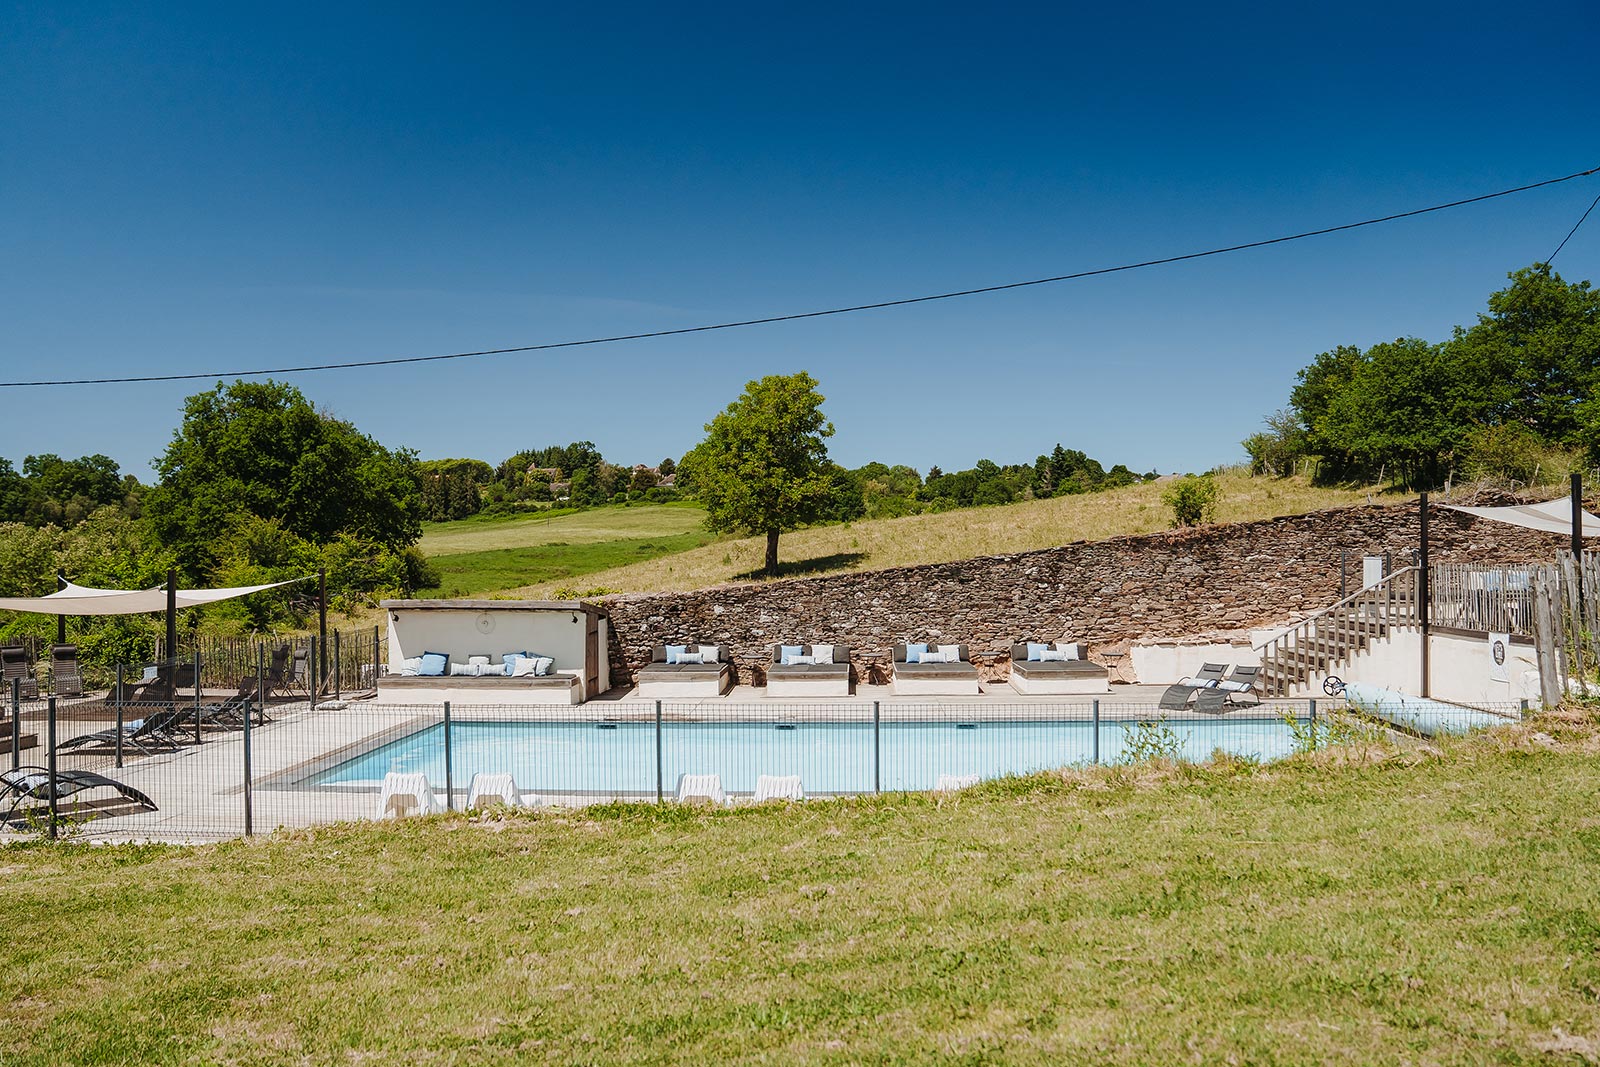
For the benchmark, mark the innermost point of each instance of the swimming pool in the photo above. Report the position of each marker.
(619, 759)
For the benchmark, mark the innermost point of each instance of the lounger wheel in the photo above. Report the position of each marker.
(1333, 685)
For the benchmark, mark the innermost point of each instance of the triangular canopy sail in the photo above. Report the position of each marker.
(1552, 516)
(85, 600)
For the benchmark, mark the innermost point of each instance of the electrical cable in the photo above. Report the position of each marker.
(1570, 232)
(398, 360)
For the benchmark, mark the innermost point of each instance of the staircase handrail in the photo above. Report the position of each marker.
(1346, 602)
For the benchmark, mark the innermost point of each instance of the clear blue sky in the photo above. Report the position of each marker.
(189, 188)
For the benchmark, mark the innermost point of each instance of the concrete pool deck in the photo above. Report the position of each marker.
(200, 792)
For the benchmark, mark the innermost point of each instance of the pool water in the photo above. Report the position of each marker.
(620, 758)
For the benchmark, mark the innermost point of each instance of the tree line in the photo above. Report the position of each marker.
(1515, 396)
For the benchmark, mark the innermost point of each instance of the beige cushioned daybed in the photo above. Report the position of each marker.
(490, 687)
(1076, 675)
(958, 678)
(830, 678)
(666, 680)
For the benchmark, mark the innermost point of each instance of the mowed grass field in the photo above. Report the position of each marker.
(487, 555)
(952, 535)
(1424, 906)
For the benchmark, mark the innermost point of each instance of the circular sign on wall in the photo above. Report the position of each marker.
(485, 622)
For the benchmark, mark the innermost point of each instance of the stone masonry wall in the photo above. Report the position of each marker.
(1109, 593)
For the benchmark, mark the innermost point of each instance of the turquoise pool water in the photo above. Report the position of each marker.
(620, 759)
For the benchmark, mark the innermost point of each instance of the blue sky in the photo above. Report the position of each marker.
(214, 187)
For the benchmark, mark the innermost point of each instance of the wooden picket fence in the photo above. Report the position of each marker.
(1566, 618)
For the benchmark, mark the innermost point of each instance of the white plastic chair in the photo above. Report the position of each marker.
(701, 787)
(949, 783)
(403, 793)
(779, 787)
(494, 787)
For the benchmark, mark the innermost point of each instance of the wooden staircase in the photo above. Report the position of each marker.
(1321, 643)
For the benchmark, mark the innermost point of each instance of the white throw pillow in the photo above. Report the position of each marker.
(524, 666)
(543, 665)
(690, 657)
(822, 653)
(466, 670)
(478, 661)
(709, 653)
(792, 661)
(1053, 655)
(409, 667)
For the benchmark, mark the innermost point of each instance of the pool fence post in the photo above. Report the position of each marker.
(311, 672)
(1097, 733)
(119, 716)
(449, 781)
(249, 712)
(54, 800)
(877, 742)
(660, 781)
(337, 663)
(376, 670)
(197, 692)
(1313, 724)
(16, 723)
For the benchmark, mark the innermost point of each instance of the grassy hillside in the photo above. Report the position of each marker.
(486, 555)
(1323, 910)
(960, 534)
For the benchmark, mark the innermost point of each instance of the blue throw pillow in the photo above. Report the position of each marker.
(914, 652)
(433, 664)
(674, 651)
(1035, 649)
(785, 651)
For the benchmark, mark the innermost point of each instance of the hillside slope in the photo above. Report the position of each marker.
(953, 535)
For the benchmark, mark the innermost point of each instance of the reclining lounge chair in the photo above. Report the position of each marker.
(65, 681)
(14, 664)
(1238, 689)
(143, 735)
(1177, 697)
(33, 783)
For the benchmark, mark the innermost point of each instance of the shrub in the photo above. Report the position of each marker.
(1192, 500)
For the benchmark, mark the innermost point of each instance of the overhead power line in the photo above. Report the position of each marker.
(1572, 231)
(680, 331)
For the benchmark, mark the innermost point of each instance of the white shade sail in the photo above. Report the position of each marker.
(1553, 516)
(84, 600)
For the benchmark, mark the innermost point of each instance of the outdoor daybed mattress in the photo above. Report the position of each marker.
(661, 680)
(1072, 677)
(934, 679)
(830, 679)
(555, 688)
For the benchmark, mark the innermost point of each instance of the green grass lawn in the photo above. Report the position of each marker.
(483, 555)
(1427, 908)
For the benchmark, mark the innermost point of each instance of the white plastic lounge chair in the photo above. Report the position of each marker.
(701, 787)
(949, 783)
(779, 787)
(493, 788)
(403, 793)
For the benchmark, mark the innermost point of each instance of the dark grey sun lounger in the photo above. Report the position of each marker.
(33, 783)
(1237, 689)
(1177, 697)
(65, 680)
(145, 734)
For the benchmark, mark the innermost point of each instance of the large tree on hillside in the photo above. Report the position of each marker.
(763, 467)
(261, 449)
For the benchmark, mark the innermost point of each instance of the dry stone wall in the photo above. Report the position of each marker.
(1109, 593)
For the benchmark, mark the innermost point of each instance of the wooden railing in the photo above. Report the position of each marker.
(1320, 642)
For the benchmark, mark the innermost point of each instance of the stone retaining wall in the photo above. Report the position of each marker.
(1210, 579)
